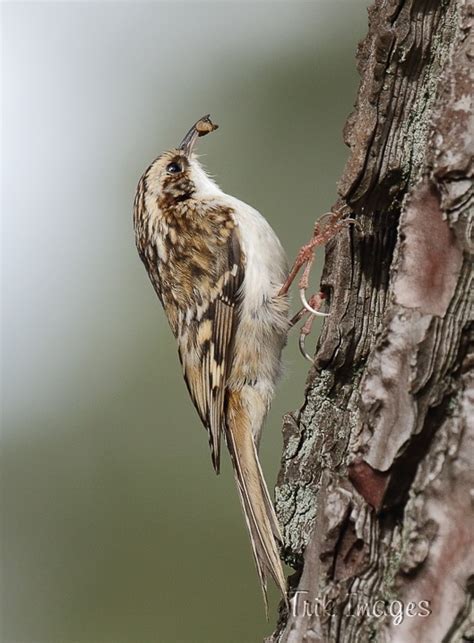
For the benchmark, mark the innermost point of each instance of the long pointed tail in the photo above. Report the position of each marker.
(258, 509)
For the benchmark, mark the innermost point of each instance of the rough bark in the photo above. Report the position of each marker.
(375, 488)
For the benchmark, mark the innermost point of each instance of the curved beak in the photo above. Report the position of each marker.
(202, 127)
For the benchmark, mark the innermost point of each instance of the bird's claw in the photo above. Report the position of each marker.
(308, 306)
(314, 303)
(302, 342)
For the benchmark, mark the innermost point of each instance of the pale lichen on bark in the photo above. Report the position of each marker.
(374, 491)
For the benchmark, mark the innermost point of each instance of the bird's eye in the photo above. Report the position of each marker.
(173, 168)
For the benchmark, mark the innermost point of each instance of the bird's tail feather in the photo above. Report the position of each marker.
(258, 509)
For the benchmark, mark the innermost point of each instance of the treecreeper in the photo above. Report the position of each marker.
(221, 275)
(218, 268)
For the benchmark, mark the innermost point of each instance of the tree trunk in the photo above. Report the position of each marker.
(375, 489)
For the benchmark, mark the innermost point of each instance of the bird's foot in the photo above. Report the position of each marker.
(325, 228)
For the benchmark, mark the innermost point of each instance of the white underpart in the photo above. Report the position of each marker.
(266, 264)
(265, 259)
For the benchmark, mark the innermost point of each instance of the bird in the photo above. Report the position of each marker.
(218, 268)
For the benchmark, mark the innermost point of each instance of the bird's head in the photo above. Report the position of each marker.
(176, 175)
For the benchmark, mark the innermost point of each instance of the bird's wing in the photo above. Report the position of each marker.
(206, 341)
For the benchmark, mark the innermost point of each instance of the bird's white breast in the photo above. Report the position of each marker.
(266, 264)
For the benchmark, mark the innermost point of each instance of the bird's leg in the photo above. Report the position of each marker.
(324, 229)
(305, 258)
(305, 254)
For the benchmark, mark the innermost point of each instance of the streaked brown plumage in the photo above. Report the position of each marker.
(217, 267)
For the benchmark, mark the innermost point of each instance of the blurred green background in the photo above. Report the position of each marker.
(114, 527)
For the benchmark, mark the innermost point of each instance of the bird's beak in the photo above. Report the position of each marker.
(202, 127)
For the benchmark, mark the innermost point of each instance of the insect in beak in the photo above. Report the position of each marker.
(202, 127)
